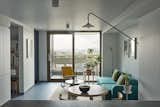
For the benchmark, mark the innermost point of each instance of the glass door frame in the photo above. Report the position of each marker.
(73, 51)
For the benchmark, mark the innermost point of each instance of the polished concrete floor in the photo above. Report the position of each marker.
(41, 103)
(41, 91)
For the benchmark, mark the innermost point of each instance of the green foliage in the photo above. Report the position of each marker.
(93, 59)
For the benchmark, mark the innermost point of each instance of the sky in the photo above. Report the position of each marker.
(83, 40)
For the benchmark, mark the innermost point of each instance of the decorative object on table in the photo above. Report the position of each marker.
(93, 60)
(84, 88)
(88, 72)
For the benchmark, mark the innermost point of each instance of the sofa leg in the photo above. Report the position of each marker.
(108, 96)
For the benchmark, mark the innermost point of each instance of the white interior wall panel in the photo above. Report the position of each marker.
(4, 65)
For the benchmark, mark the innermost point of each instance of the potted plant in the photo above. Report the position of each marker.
(92, 60)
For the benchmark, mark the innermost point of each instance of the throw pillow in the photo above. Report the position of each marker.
(121, 80)
(115, 75)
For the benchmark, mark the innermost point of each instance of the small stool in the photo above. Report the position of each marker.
(88, 73)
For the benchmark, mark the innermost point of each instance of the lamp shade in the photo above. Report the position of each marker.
(88, 25)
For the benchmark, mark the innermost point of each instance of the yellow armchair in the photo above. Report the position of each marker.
(67, 71)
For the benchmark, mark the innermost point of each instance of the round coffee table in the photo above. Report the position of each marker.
(95, 90)
(74, 82)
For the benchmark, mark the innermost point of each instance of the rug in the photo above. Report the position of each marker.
(62, 94)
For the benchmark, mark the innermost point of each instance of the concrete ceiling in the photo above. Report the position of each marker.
(135, 12)
(41, 14)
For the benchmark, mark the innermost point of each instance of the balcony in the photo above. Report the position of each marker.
(65, 60)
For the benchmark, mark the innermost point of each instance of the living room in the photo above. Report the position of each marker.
(56, 58)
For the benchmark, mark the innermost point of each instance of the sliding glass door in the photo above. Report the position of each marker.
(76, 49)
(60, 53)
(87, 52)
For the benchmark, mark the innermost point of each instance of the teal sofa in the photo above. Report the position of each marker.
(113, 88)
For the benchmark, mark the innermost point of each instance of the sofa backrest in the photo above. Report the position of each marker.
(133, 81)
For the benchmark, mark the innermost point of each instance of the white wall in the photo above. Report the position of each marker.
(110, 53)
(147, 65)
(149, 59)
(42, 56)
(27, 73)
(28, 63)
(4, 61)
(128, 64)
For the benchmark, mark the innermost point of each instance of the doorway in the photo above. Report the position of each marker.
(16, 35)
(76, 49)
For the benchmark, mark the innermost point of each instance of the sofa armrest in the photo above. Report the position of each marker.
(116, 89)
(120, 88)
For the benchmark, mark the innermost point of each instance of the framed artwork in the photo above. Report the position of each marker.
(27, 53)
(125, 47)
(31, 47)
(133, 48)
(130, 48)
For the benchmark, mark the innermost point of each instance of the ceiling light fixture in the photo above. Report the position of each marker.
(89, 25)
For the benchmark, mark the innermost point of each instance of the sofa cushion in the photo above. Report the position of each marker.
(105, 80)
(108, 86)
(115, 75)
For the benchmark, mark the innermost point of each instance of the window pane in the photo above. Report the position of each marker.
(87, 50)
(60, 53)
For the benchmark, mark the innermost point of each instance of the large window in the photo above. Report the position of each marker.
(78, 50)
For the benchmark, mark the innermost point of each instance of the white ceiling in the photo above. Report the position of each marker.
(42, 15)
(135, 12)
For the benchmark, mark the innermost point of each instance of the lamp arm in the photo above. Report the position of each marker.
(106, 22)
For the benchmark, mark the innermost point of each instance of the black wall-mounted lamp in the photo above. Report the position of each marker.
(89, 25)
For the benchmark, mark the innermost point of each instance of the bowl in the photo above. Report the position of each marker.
(84, 88)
